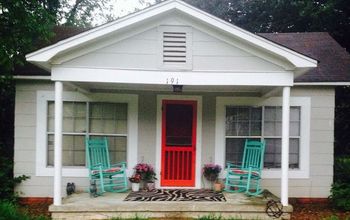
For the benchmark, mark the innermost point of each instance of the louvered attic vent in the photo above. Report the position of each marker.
(174, 47)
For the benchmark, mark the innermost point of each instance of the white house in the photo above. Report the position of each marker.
(116, 80)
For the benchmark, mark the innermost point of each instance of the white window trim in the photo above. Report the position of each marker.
(41, 130)
(175, 66)
(305, 108)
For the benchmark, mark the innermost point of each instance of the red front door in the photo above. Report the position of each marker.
(179, 120)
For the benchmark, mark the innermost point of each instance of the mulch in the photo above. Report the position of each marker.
(316, 211)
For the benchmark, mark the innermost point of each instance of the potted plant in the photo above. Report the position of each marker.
(211, 173)
(148, 176)
(135, 180)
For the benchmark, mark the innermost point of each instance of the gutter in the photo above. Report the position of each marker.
(322, 84)
(46, 78)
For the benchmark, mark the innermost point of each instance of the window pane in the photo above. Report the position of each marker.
(73, 150)
(242, 128)
(294, 153)
(273, 153)
(50, 116)
(294, 121)
(243, 121)
(234, 150)
(108, 118)
(117, 149)
(255, 128)
(50, 149)
(295, 113)
(272, 122)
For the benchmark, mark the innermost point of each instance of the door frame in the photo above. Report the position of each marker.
(198, 167)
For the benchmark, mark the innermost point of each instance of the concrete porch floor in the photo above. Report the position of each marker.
(111, 205)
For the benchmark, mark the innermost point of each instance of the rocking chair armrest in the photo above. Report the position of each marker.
(121, 164)
(232, 165)
(96, 166)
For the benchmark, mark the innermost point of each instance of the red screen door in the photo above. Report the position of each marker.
(179, 120)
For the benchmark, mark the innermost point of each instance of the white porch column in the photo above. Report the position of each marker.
(285, 145)
(58, 144)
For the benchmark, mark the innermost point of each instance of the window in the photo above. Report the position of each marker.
(111, 115)
(176, 47)
(238, 118)
(84, 119)
(261, 123)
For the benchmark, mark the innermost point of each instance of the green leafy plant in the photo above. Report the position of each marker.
(9, 182)
(342, 169)
(332, 217)
(340, 192)
(9, 211)
(341, 195)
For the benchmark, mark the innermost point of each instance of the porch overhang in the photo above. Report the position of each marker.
(194, 78)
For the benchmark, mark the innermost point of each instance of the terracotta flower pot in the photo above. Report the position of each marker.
(217, 187)
(150, 186)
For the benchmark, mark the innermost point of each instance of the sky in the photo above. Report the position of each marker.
(125, 7)
(120, 8)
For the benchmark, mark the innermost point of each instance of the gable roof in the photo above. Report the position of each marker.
(334, 60)
(43, 56)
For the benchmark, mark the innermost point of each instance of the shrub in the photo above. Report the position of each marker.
(9, 211)
(8, 182)
(340, 192)
(341, 195)
(342, 169)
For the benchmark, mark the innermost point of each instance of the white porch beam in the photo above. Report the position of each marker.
(156, 77)
(285, 145)
(58, 144)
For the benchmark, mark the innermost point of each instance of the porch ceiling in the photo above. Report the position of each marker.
(118, 87)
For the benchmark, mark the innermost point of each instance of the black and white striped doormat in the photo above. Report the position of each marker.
(197, 195)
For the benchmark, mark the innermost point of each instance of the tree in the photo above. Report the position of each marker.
(85, 13)
(332, 16)
(19, 29)
(89, 13)
(19, 34)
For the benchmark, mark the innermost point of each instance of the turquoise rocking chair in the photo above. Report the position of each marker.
(104, 176)
(246, 177)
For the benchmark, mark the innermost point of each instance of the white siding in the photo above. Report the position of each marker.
(321, 146)
(142, 51)
(321, 141)
(25, 143)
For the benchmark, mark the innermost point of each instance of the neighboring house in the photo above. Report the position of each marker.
(117, 80)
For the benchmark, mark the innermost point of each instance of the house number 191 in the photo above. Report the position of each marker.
(172, 80)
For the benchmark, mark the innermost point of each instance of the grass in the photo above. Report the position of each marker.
(10, 211)
(219, 217)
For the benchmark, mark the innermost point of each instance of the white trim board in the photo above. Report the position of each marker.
(172, 77)
(198, 168)
(41, 121)
(322, 84)
(304, 156)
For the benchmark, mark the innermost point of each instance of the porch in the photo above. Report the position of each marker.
(237, 205)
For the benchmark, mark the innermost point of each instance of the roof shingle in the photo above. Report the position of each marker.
(334, 61)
